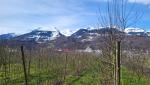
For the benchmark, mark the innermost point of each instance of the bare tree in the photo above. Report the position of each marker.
(118, 16)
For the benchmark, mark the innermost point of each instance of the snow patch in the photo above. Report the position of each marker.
(68, 32)
(127, 30)
(55, 34)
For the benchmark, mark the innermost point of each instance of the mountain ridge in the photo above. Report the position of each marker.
(84, 34)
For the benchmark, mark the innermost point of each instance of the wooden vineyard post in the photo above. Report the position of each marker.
(24, 66)
(118, 60)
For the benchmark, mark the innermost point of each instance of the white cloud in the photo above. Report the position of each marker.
(21, 15)
(20, 30)
(146, 2)
(25, 15)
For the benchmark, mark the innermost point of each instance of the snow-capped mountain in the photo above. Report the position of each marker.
(148, 33)
(79, 33)
(39, 36)
(84, 35)
(128, 30)
(82, 38)
(87, 35)
(99, 31)
(135, 31)
(8, 36)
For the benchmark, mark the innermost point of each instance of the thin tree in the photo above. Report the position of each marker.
(118, 16)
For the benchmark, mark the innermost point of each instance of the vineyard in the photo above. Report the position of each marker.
(47, 67)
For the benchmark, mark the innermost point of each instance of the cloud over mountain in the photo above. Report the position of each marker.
(146, 2)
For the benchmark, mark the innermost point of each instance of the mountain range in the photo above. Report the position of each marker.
(79, 39)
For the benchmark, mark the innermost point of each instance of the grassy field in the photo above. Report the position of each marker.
(62, 68)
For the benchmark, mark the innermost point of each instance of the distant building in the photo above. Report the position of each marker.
(90, 50)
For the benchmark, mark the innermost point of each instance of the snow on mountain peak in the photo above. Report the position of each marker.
(68, 32)
(127, 30)
(55, 34)
(40, 35)
(55, 30)
(8, 36)
(12, 34)
(91, 28)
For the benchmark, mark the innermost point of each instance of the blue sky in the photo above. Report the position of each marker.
(21, 16)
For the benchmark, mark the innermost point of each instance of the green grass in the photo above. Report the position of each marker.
(131, 78)
(89, 73)
(87, 77)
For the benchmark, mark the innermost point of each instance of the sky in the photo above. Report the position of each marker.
(22, 16)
